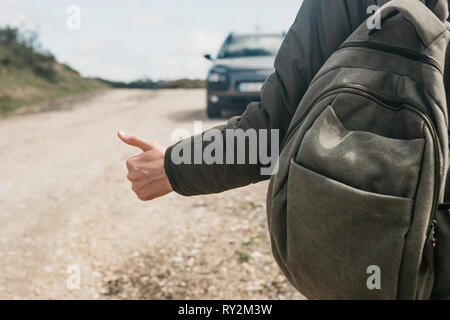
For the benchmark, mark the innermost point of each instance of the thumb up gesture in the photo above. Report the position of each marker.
(146, 170)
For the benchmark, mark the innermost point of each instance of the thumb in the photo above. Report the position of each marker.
(135, 141)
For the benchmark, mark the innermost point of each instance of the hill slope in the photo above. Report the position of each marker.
(29, 75)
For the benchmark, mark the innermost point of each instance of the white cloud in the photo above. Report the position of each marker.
(208, 41)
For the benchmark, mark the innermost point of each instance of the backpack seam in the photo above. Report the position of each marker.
(438, 39)
(394, 73)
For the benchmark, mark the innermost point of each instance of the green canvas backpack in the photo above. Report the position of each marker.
(355, 210)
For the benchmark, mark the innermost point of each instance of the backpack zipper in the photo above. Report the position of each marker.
(403, 52)
(406, 53)
(389, 104)
(431, 242)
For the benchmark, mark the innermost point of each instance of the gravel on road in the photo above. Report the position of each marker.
(71, 228)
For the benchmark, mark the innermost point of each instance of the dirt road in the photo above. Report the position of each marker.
(71, 227)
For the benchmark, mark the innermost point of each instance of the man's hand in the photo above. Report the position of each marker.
(146, 171)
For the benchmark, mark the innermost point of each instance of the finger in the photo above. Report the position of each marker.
(137, 186)
(146, 193)
(135, 141)
(144, 190)
(151, 191)
(131, 163)
(136, 175)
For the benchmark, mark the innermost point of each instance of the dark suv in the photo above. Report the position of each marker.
(242, 65)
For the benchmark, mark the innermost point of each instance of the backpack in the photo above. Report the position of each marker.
(354, 210)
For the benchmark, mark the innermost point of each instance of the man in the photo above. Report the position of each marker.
(320, 27)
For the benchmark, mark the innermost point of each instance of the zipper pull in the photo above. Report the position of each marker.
(433, 244)
(433, 231)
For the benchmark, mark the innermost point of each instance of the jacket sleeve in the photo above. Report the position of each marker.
(319, 28)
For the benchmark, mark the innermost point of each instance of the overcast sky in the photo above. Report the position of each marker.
(131, 39)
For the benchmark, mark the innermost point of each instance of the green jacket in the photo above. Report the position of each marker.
(320, 27)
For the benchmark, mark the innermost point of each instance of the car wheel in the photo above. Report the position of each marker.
(213, 111)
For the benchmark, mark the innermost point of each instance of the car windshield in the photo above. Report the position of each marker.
(250, 46)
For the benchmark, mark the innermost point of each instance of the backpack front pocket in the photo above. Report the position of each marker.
(337, 233)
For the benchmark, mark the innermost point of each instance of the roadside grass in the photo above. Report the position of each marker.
(243, 257)
(21, 88)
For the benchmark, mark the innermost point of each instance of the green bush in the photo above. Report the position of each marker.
(23, 50)
(184, 84)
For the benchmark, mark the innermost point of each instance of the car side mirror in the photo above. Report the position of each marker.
(208, 57)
